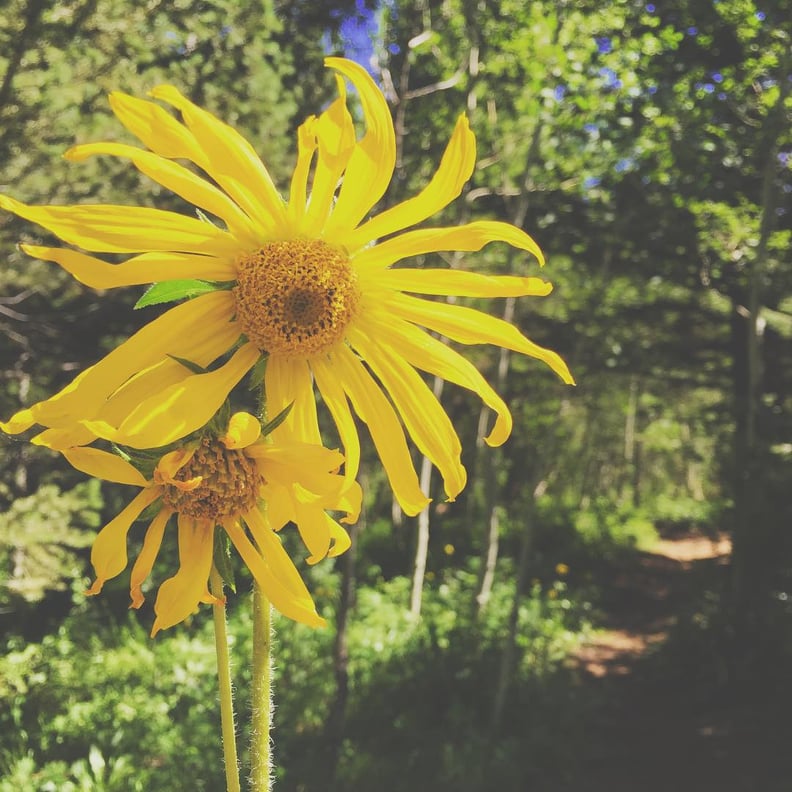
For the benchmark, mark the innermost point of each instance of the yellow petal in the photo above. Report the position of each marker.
(341, 540)
(279, 506)
(229, 154)
(423, 415)
(304, 460)
(461, 283)
(180, 595)
(148, 555)
(335, 399)
(109, 553)
(126, 229)
(298, 193)
(101, 464)
(311, 467)
(156, 128)
(468, 326)
(171, 463)
(146, 268)
(243, 430)
(455, 169)
(335, 139)
(288, 381)
(429, 354)
(154, 379)
(189, 330)
(386, 431)
(273, 570)
(313, 529)
(371, 165)
(178, 180)
(62, 439)
(19, 422)
(472, 236)
(180, 409)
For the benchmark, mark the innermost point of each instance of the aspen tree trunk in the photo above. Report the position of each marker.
(632, 451)
(422, 544)
(490, 490)
(506, 669)
(750, 539)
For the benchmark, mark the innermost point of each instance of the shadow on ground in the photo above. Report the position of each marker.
(665, 717)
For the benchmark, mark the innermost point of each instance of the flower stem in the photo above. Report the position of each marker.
(260, 759)
(224, 683)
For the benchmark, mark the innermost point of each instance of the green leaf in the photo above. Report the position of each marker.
(272, 425)
(169, 291)
(257, 373)
(188, 364)
(150, 512)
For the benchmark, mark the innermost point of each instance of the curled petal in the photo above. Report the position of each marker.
(472, 236)
(109, 553)
(273, 569)
(180, 595)
(243, 430)
(455, 169)
(148, 555)
(370, 167)
(469, 326)
(423, 415)
(427, 353)
(170, 464)
(335, 142)
(377, 413)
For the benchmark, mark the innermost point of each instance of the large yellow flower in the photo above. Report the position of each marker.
(309, 283)
(219, 480)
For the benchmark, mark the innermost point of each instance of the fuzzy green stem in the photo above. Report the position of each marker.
(260, 758)
(224, 683)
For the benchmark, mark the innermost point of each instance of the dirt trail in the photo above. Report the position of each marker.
(642, 606)
(649, 732)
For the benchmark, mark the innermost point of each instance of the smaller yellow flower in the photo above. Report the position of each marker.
(562, 570)
(220, 480)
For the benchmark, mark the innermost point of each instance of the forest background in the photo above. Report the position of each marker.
(647, 148)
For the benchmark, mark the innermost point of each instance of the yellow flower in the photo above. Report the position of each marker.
(219, 481)
(308, 283)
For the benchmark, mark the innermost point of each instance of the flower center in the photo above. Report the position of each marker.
(229, 485)
(295, 297)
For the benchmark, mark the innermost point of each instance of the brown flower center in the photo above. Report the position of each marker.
(295, 297)
(229, 485)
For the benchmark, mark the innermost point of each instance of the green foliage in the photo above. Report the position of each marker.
(41, 539)
(97, 705)
(99, 708)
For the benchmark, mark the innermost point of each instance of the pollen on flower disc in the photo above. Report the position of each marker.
(229, 486)
(295, 297)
